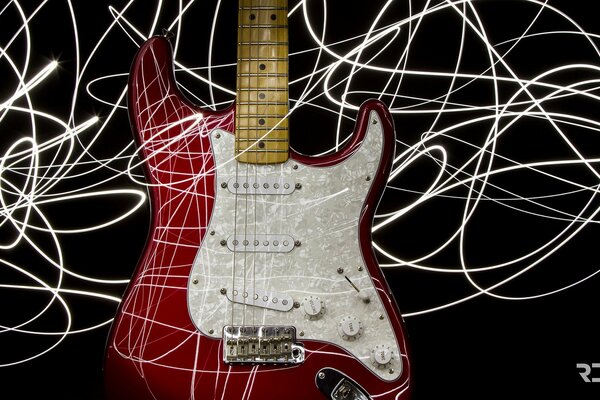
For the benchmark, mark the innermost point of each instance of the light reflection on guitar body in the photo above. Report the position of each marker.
(156, 348)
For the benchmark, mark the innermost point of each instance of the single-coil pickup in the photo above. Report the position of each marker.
(261, 298)
(261, 243)
(260, 185)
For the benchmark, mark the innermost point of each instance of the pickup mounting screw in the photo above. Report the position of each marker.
(223, 242)
(298, 186)
(223, 291)
(224, 185)
(297, 243)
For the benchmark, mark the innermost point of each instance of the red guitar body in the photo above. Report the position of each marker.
(155, 349)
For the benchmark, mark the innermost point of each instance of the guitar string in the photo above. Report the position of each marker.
(248, 166)
(276, 105)
(256, 167)
(236, 181)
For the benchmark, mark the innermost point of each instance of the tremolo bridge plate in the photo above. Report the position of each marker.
(261, 344)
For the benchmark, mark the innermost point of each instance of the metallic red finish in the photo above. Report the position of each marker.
(154, 350)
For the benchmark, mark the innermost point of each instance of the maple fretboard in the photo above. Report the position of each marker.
(262, 82)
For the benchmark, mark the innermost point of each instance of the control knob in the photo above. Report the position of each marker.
(381, 356)
(313, 307)
(350, 328)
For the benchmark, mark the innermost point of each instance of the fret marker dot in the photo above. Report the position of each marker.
(261, 144)
(262, 96)
(252, 17)
(261, 121)
(273, 17)
(262, 67)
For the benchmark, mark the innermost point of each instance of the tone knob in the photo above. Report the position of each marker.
(381, 356)
(350, 328)
(313, 306)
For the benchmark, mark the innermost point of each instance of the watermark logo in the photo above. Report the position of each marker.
(585, 370)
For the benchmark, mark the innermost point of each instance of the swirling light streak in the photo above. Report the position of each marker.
(27, 185)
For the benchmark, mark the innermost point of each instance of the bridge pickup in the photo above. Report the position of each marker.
(260, 243)
(261, 344)
(260, 185)
(261, 298)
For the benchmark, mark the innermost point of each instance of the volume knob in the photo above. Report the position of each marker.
(313, 306)
(350, 328)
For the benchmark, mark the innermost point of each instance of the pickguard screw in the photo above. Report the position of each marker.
(340, 270)
(298, 186)
(195, 281)
(296, 304)
(223, 242)
(391, 371)
(295, 166)
(321, 375)
(212, 233)
(297, 243)
(301, 333)
(224, 185)
(211, 331)
(381, 317)
(360, 268)
(368, 178)
(374, 122)
(218, 135)
(223, 291)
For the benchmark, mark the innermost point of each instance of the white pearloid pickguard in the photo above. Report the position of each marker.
(322, 215)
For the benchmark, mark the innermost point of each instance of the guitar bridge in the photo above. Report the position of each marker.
(261, 344)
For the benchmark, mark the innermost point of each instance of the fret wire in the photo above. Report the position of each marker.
(265, 151)
(263, 103)
(257, 89)
(261, 128)
(272, 59)
(262, 74)
(264, 26)
(265, 43)
(259, 8)
(252, 116)
(262, 139)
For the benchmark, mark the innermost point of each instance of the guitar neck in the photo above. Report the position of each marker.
(261, 128)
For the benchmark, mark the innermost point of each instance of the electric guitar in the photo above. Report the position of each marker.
(258, 279)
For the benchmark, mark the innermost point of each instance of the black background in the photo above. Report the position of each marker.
(483, 348)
